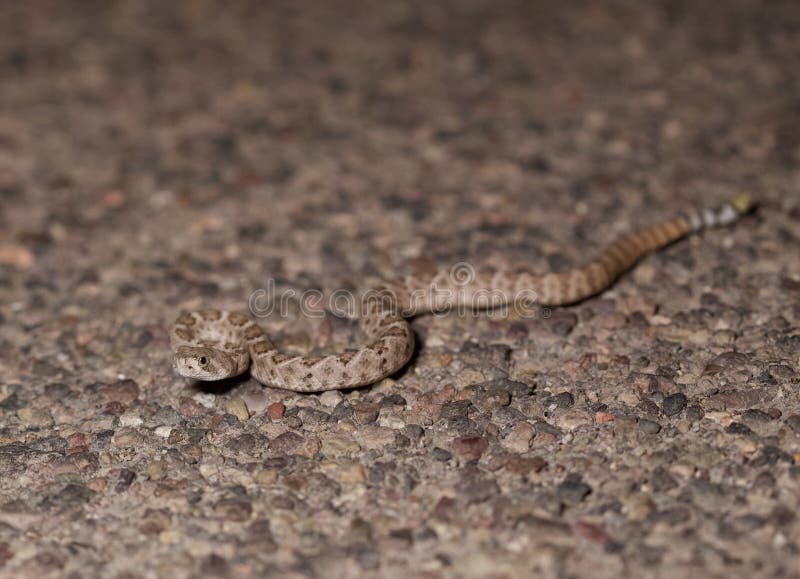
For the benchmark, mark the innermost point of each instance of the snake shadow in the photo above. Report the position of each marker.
(220, 386)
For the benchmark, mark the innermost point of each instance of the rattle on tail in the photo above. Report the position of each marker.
(214, 344)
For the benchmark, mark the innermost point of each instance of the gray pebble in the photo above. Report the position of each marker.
(674, 404)
(649, 426)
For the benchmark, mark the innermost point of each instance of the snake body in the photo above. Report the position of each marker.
(216, 344)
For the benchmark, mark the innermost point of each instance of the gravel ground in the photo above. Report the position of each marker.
(157, 157)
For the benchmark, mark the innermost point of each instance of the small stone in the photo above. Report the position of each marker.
(694, 413)
(338, 445)
(489, 400)
(342, 411)
(256, 402)
(366, 412)
(126, 478)
(573, 419)
(129, 419)
(276, 410)
(330, 398)
(601, 417)
(190, 408)
(738, 428)
(156, 470)
(441, 454)
(394, 400)
(519, 438)
(470, 447)
(123, 391)
(562, 400)
(736, 399)
(573, 490)
(286, 443)
(525, 464)
(128, 438)
(674, 404)
(455, 409)
(754, 417)
(163, 431)
(649, 426)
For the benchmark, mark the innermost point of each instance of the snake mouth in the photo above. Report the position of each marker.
(204, 363)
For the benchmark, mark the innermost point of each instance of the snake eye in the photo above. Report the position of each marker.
(203, 360)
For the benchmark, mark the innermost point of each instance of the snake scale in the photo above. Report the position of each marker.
(215, 344)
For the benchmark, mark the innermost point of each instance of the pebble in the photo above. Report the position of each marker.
(366, 412)
(130, 420)
(256, 402)
(674, 404)
(562, 400)
(694, 413)
(123, 391)
(649, 426)
(330, 398)
(276, 410)
(469, 447)
(738, 428)
(519, 438)
(573, 490)
(286, 443)
(573, 419)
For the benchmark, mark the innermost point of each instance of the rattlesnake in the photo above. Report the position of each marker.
(214, 344)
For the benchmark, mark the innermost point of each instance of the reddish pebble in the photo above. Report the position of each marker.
(276, 410)
(603, 417)
(470, 447)
(98, 484)
(77, 439)
(774, 413)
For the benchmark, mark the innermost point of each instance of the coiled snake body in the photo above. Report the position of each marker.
(215, 344)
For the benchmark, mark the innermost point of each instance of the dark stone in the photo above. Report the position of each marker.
(126, 478)
(738, 428)
(694, 413)
(573, 490)
(674, 404)
(342, 411)
(755, 416)
(441, 454)
(394, 400)
(455, 409)
(49, 444)
(561, 400)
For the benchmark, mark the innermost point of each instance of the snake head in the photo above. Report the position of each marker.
(205, 363)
